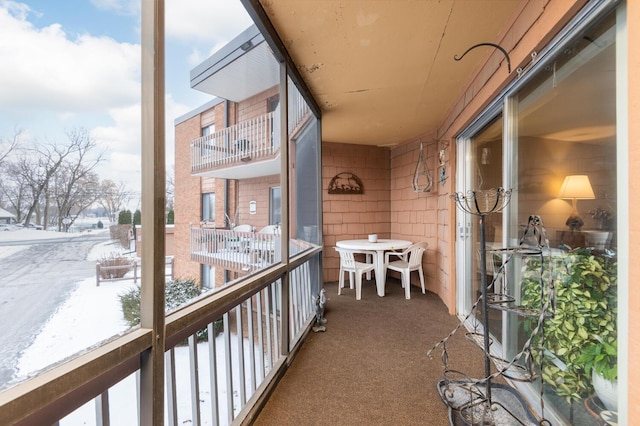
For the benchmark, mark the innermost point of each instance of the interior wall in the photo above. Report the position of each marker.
(354, 216)
(543, 164)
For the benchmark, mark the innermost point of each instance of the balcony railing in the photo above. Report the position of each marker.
(235, 251)
(250, 140)
(252, 327)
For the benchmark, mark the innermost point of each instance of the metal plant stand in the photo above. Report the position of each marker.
(481, 401)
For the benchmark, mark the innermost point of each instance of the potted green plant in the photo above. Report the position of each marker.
(586, 310)
(601, 360)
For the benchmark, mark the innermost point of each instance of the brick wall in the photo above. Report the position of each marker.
(188, 202)
(257, 190)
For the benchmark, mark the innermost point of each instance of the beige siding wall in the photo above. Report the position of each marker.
(354, 215)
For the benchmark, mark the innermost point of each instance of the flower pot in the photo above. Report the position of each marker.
(606, 390)
(596, 239)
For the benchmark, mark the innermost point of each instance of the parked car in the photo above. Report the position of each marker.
(7, 227)
(33, 226)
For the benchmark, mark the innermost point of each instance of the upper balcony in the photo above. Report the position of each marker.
(245, 150)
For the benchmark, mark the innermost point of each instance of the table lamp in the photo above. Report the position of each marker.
(576, 187)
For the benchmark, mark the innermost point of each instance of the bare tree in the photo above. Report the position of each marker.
(9, 144)
(14, 190)
(39, 164)
(170, 188)
(113, 197)
(74, 186)
(73, 194)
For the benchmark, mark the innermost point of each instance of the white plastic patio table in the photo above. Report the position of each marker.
(379, 247)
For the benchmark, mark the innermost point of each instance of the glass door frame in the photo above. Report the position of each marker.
(505, 103)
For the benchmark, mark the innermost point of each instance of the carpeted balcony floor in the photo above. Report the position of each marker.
(370, 366)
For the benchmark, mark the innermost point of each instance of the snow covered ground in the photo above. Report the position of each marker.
(92, 314)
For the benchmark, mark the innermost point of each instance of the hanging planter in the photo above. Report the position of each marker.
(422, 181)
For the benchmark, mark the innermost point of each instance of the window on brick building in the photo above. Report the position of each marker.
(275, 206)
(209, 207)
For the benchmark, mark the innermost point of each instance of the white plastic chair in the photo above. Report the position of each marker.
(349, 264)
(409, 260)
(243, 228)
(267, 243)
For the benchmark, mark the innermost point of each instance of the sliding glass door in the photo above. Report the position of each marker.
(554, 127)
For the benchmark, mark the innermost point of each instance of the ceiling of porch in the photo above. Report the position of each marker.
(383, 71)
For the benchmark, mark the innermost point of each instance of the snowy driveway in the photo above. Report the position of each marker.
(34, 281)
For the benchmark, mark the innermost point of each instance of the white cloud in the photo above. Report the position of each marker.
(124, 7)
(122, 141)
(49, 71)
(54, 80)
(205, 21)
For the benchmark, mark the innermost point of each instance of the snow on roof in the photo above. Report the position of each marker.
(4, 213)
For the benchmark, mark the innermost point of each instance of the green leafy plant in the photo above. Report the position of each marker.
(178, 293)
(585, 316)
(602, 357)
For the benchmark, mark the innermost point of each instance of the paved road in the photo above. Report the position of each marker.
(33, 283)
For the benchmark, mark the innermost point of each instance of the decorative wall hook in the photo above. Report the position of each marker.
(506, 55)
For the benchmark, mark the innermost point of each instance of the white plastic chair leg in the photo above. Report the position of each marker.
(358, 286)
(369, 260)
(340, 282)
(422, 280)
(406, 276)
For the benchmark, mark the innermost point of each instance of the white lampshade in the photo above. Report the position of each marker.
(577, 187)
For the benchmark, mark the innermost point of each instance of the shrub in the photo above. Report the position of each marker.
(100, 224)
(120, 233)
(114, 266)
(124, 217)
(170, 217)
(177, 293)
(130, 302)
(137, 217)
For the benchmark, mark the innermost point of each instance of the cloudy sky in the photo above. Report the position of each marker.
(76, 64)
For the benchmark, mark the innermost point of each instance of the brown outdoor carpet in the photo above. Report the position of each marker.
(370, 366)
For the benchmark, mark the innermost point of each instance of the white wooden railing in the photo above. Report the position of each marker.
(299, 110)
(253, 139)
(232, 250)
(249, 140)
(239, 251)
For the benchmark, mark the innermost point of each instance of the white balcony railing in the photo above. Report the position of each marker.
(232, 250)
(239, 251)
(250, 140)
